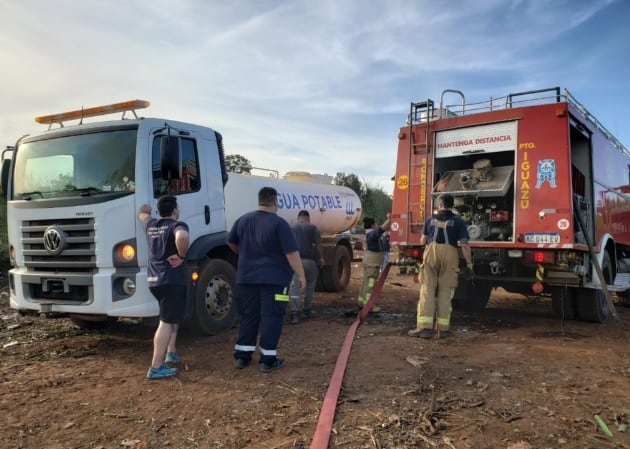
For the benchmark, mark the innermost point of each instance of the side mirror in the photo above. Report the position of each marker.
(171, 157)
(5, 168)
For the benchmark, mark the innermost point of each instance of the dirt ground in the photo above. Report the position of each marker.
(513, 377)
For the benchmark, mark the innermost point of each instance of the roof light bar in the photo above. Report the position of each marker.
(124, 106)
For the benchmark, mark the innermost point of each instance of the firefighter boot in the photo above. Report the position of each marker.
(421, 333)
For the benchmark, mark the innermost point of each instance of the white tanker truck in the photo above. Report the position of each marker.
(75, 244)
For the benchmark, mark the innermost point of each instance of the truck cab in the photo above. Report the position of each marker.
(72, 196)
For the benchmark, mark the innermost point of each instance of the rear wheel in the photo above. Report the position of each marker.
(318, 285)
(472, 295)
(591, 303)
(214, 308)
(563, 303)
(336, 276)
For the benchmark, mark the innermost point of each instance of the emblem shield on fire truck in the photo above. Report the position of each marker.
(546, 172)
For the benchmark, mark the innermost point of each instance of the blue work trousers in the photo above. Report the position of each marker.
(262, 308)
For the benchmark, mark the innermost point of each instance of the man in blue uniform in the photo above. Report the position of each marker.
(168, 241)
(440, 268)
(268, 257)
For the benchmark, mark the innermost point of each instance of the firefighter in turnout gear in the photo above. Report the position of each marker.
(372, 258)
(440, 269)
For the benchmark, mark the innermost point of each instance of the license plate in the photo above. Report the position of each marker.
(548, 237)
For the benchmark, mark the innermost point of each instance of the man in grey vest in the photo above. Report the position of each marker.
(309, 243)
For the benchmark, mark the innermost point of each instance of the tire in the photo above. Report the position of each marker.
(214, 308)
(319, 286)
(336, 276)
(472, 296)
(591, 303)
(563, 303)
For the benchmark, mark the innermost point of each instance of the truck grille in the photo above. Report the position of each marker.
(59, 245)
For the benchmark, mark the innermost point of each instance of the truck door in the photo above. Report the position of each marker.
(188, 181)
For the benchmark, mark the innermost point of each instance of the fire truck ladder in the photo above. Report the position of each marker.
(419, 112)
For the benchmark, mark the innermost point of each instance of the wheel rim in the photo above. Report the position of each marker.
(218, 297)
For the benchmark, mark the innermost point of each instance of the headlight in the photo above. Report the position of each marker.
(125, 253)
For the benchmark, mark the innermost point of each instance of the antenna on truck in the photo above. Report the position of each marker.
(168, 129)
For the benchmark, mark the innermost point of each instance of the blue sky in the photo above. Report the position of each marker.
(320, 86)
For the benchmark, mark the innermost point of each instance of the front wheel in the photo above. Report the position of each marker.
(214, 308)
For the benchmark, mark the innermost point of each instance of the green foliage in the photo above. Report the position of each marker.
(237, 163)
(375, 201)
(349, 180)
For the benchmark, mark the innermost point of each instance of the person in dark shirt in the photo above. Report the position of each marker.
(372, 258)
(386, 247)
(309, 243)
(440, 268)
(267, 258)
(168, 242)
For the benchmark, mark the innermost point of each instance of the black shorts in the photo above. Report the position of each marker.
(172, 300)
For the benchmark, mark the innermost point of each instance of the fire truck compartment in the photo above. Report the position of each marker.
(466, 183)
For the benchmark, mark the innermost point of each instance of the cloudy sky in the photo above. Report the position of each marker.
(320, 85)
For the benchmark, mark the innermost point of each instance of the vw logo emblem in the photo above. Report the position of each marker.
(54, 240)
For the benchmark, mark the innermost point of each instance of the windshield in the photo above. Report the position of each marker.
(76, 165)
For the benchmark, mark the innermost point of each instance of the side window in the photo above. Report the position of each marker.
(189, 181)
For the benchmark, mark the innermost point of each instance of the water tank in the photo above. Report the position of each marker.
(332, 208)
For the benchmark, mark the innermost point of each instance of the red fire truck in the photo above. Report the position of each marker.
(542, 185)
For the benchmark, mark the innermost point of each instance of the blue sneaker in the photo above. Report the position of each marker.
(171, 360)
(159, 373)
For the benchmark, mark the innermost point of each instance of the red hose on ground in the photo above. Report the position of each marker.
(321, 437)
